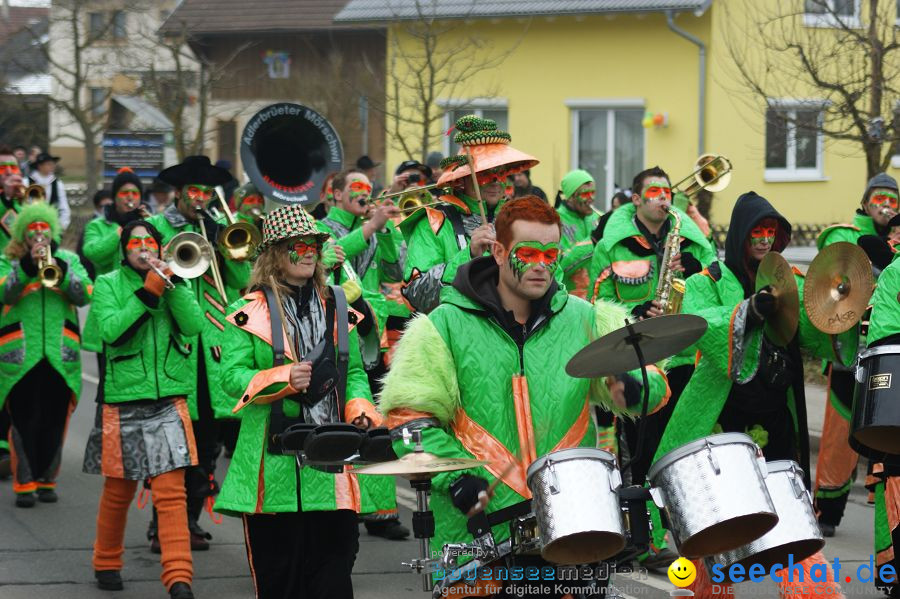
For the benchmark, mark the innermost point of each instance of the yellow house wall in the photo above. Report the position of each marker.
(556, 60)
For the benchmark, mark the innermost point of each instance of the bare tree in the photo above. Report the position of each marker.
(851, 65)
(183, 91)
(429, 60)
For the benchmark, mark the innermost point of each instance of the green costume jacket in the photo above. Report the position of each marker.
(460, 377)
(101, 244)
(9, 209)
(235, 277)
(147, 339)
(862, 225)
(730, 351)
(37, 323)
(435, 251)
(885, 319)
(257, 481)
(577, 249)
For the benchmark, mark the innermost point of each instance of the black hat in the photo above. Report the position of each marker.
(42, 158)
(194, 169)
(126, 175)
(408, 164)
(365, 163)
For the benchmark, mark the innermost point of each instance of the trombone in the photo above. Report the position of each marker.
(33, 193)
(238, 240)
(413, 198)
(712, 172)
(188, 254)
(162, 275)
(49, 273)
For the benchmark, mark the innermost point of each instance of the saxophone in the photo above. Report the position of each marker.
(669, 288)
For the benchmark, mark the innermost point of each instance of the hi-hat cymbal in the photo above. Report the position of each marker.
(419, 465)
(775, 272)
(659, 338)
(838, 286)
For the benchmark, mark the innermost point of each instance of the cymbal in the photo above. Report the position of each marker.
(775, 272)
(659, 338)
(419, 463)
(839, 284)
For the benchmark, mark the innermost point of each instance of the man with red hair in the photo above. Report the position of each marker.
(485, 371)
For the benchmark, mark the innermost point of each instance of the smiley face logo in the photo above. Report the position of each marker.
(682, 572)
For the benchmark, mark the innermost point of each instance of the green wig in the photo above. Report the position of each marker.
(34, 213)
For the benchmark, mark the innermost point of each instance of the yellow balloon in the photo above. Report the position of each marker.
(682, 572)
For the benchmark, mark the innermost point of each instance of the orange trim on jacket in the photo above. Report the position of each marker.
(522, 405)
(261, 381)
(400, 416)
(358, 406)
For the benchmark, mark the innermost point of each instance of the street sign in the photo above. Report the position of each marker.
(142, 152)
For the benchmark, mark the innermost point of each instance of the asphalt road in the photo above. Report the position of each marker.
(46, 551)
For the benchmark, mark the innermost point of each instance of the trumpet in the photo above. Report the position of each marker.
(49, 273)
(712, 172)
(238, 240)
(188, 254)
(169, 284)
(34, 193)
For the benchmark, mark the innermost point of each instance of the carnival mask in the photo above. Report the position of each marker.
(526, 255)
(301, 247)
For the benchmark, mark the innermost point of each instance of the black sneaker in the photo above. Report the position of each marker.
(5, 464)
(109, 580)
(387, 529)
(25, 500)
(181, 590)
(827, 529)
(199, 538)
(47, 496)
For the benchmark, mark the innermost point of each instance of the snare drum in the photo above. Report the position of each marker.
(714, 493)
(875, 425)
(797, 533)
(576, 505)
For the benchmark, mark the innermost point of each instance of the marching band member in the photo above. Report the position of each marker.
(625, 267)
(837, 462)
(143, 428)
(367, 237)
(42, 171)
(40, 343)
(441, 238)
(576, 211)
(195, 179)
(248, 204)
(300, 529)
(884, 329)
(743, 381)
(101, 235)
(482, 375)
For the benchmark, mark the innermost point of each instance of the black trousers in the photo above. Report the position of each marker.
(302, 555)
(39, 408)
(206, 435)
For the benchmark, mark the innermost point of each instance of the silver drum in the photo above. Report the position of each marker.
(577, 506)
(714, 493)
(797, 532)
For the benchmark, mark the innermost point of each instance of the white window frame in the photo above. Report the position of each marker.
(476, 105)
(897, 23)
(791, 173)
(831, 20)
(575, 106)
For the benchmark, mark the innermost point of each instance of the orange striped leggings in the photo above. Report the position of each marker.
(169, 499)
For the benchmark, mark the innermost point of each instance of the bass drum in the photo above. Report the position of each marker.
(875, 423)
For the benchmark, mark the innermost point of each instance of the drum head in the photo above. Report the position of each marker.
(583, 548)
(728, 535)
(879, 439)
(800, 550)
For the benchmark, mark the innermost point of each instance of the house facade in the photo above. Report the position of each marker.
(620, 85)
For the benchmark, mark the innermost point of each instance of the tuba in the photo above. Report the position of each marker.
(49, 274)
(287, 151)
(669, 288)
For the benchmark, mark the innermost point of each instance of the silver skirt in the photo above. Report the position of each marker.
(140, 441)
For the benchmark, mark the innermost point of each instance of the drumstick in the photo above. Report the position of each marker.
(509, 468)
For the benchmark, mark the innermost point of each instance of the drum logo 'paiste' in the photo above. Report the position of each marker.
(880, 381)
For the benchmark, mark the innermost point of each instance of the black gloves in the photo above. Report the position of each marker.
(464, 491)
(632, 389)
(690, 264)
(640, 311)
(762, 305)
(368, 321)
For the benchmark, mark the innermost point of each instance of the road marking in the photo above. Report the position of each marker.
(90, 378)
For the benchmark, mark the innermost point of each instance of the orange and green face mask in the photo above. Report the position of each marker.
(526, 255)
(761, 235)
(360, 192)
(301, 247)
(196, 194)
(885, 199)
(9, 168)
(656, 193)
(37, 228)
(587, 194)
(139, 244)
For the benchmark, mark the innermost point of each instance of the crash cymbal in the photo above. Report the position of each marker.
(838, 286)
(418, 465)
(775, 272)
(659, 338)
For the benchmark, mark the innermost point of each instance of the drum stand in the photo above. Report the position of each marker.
(634, 340)
(423, 521)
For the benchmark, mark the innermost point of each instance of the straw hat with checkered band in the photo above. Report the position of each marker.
(288, 222)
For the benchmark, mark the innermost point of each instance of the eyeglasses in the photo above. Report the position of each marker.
(136, 244)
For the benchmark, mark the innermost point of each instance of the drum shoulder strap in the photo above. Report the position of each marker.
(455, 218)
(341, 312)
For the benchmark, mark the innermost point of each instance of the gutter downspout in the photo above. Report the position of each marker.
(701, 92)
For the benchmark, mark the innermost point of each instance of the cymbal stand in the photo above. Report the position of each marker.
(634, 340)
(423, 519)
